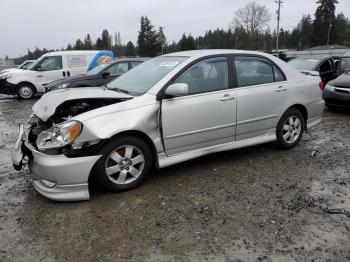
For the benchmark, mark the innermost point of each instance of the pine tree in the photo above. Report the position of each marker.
(324, 20)
(162, 39)
(88, 42)
(99, 44)
(106, 40)
(187, 43)
(148, 42)
(79, 45)
(130, 49)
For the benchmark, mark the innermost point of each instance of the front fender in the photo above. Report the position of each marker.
(143, 119)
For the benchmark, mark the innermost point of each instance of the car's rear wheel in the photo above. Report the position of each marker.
(125, 163)
(290, 128)
(25, 91)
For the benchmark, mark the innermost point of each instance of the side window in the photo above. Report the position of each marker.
(119, 68)
(278, 75)
(206, 76)
(253, 71)
(51, 63)
(135, 63)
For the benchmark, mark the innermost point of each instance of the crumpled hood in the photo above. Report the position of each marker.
(48, 103)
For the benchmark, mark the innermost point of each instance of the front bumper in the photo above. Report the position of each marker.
(7, 88)
(336, 98)
(56, 177)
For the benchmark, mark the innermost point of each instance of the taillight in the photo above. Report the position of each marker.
(321, 85)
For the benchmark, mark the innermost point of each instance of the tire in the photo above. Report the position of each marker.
(115, 170)
(25, 91)
(290, 128)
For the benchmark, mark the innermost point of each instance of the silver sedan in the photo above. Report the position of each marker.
(170, 109)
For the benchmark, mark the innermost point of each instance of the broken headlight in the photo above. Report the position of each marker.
(59, 135)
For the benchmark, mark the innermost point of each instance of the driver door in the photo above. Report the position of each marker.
(50, 69)
(207, 115)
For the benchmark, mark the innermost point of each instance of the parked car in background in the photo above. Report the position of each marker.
(337, 92)
(322, 66)
(98, 76)
(50, 67)
(167, 110)
(25, 65)
(344, 64)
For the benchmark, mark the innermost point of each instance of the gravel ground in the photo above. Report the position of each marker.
(257, 203)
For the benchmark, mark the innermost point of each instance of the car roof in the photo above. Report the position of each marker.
(208, 52)
(130, 59)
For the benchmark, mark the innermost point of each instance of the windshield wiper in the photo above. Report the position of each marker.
(120, 90)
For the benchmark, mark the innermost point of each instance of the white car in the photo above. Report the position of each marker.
(51, 66)
(165, 111)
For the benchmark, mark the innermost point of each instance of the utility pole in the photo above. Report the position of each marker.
(279, 2)
(329, 33)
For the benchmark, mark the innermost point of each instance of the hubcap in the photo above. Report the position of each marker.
(291, 129)
(125, 164)
(25, 92)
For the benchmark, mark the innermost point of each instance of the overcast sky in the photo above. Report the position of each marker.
(54, 23)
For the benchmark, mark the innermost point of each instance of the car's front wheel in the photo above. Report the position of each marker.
(125, 163)
(290, 128)
(25, 91)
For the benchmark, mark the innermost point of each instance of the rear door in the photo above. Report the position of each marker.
(207, 115)
(262, 92)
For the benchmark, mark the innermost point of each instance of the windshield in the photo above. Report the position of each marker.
(96, 70)
(304, 63)
(344, 64)
(140, 79)
(36, 62)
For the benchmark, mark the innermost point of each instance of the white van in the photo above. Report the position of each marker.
(51, 66)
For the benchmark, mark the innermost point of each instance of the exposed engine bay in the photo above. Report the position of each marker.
(65, 111)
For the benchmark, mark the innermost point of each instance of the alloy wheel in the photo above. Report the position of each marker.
(124, 164)
(291, 129)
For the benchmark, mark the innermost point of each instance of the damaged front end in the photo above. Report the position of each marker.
(42, 131)
(57, 150)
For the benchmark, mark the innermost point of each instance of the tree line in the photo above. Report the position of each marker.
(249, 30)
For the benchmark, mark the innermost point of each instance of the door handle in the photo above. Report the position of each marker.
(39, 75)
(227, 97)
(281, 89)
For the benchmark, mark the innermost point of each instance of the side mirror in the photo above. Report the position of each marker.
(106, 75)
(39, 68)
(178, 89)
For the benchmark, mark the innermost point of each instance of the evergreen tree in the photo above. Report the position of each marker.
(69, 47)
(162, 39)
(148, 42)
(99, 44)
(88, 42)
(130, 49)
(79, 45)
(324, 18)
(106, 40)
(306, 30)
(341, 28)
(187, 43)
